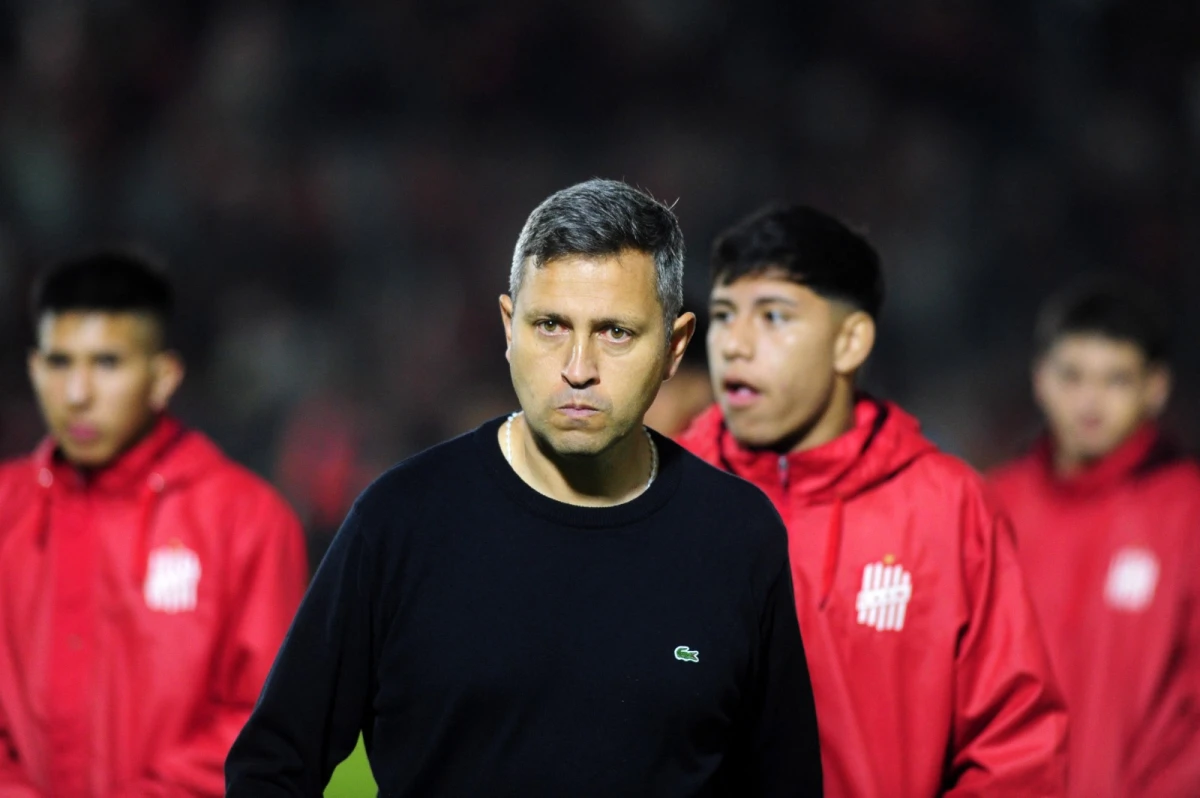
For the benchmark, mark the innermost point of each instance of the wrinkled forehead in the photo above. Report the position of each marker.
(624, 283)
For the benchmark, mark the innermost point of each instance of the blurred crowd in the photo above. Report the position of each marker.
(336, 187)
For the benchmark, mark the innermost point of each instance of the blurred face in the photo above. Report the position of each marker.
(1095, 392)
(100, 379)
(775, 353)
(587, 349)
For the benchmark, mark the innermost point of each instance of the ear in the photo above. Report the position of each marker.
(32, 361)
(1039, 376)
(168, 374)
(1158, 390)
(681, 334)
(855, 340)
(506, 317)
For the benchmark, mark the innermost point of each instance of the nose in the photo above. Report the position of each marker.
(735, 339)
(79, 387)
(581, 369)
(1089, 396)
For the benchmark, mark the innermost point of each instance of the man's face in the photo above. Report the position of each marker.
(1095, 392)
(587, 348)
(100, 378)
(771, 352)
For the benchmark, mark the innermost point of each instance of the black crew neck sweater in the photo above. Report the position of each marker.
(490, 641)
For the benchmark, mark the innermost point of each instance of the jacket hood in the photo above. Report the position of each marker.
(883, 441)
(1145, 451)
(169, 456)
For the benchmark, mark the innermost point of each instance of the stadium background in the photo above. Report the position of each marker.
(336, 187)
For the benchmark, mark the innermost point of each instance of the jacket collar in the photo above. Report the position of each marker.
(1122, 464)
(128, 473)
(883, 440)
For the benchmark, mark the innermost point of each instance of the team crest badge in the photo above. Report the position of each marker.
(1132, 579)
(883, 600)
(172, 577)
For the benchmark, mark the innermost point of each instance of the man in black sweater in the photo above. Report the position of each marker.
(560, 603)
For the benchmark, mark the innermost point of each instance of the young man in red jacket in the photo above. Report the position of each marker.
(146, 581)
(1107, 517)
(928, 670)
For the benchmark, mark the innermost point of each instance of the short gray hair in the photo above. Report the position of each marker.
(604, 217)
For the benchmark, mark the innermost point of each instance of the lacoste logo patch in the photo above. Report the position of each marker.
(685, 654)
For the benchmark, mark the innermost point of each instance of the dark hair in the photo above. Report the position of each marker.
(810, 247)
(1110, 307)
(604, 217)
(107, 281)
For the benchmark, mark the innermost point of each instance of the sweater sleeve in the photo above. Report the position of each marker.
(787, 756)
(777, 752)
(317, 696)
(1010, 723)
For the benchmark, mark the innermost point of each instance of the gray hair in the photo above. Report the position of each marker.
(604, 217)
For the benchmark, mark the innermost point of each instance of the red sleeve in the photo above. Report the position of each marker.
(13, 781)
(1010, 723)
(262, 591)
(1165, 757)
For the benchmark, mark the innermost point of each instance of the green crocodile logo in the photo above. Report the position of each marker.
(685, 654)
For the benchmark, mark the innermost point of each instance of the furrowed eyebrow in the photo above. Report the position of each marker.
(624, 324)
(536, 315)
(607, 321)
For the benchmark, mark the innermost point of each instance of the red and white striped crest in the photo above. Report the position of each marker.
(883, 600)
(172, 576)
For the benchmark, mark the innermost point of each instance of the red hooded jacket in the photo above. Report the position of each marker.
(139, 614)
(1112, 555)
(928, 670)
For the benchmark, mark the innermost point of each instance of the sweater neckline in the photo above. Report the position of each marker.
(641, 506)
